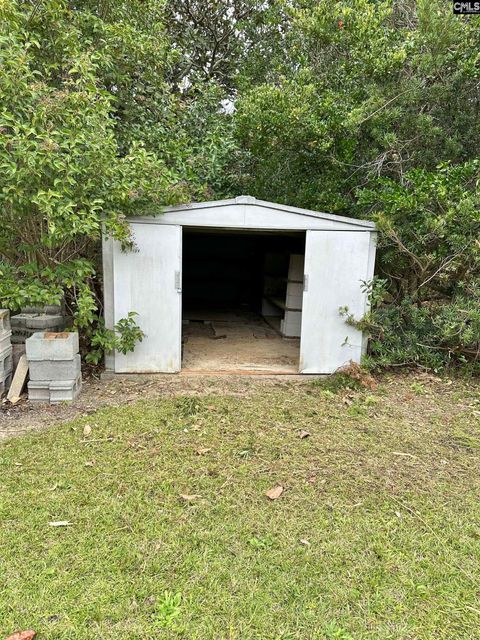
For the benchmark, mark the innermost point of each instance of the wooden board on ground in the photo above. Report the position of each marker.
(19, 380)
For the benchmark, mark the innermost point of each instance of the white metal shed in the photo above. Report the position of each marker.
(231, 252)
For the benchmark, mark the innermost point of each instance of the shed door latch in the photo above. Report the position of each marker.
(178, 281)
(305, 282)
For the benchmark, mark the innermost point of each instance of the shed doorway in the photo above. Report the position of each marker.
(241, 300)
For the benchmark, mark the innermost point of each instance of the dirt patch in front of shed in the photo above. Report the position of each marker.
(120, 390)
(403, 394)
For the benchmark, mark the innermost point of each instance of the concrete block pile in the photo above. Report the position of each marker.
(33, 319)
(6, 364)
(54, 365)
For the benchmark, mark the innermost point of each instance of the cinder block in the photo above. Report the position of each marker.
(19, 337)
(5, 341)
(55, 369)
(5, 383)
(39, 391)
(6, 362)
(45, 323)
(51, 309)
(19, 320)
(54, 391)
(37, 322)
(291, 325)
(4, 320)
(296, 267)
(18, 350)
(294, 295)
(52, 346)
(61, 390)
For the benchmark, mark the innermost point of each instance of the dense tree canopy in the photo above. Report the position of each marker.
(366, 108)
(371, 110)
(90, 132)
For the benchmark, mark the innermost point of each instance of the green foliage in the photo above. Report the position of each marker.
(432, 334)
(371, 111)
(366, 108)
(122, 338)
(90, 133)
(167, 610)
(334, 632)
(430, 253)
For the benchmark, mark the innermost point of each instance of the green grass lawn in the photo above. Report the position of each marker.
(376, 535)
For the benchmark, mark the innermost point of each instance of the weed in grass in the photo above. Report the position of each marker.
(167, 610)
(187, 406)
(418, 388)
(334, 632)
(262, 542)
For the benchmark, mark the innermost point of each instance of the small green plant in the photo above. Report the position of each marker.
(122, 338)
(168, 610)
(262, 542)
(418, 388)
(187, 406)
(333, 631)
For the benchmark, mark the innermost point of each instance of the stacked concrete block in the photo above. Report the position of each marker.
(33, 319)
(291, 324)
(6, 365)
(54, 366)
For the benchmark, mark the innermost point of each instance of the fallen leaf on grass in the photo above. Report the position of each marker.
(202, 451)
(190, 498)
(275, 492)
(22, 635)
(305, 542)
(60, 523)
(303, 434)
(87, 430)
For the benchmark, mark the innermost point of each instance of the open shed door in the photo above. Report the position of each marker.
(336, 263)
(148, 281)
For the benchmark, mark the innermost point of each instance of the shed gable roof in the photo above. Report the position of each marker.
(249, 213)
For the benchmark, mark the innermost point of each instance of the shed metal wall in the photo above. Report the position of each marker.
(340, 255)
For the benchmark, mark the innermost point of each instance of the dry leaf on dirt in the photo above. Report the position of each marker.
(22, 635)
(275, 492)
(202, 451)
(303, 434)
(87, 430)
(60, 523)
(190, 498)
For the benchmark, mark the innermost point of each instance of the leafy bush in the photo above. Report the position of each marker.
(88, 136)
(426, 310)
(370, 109)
